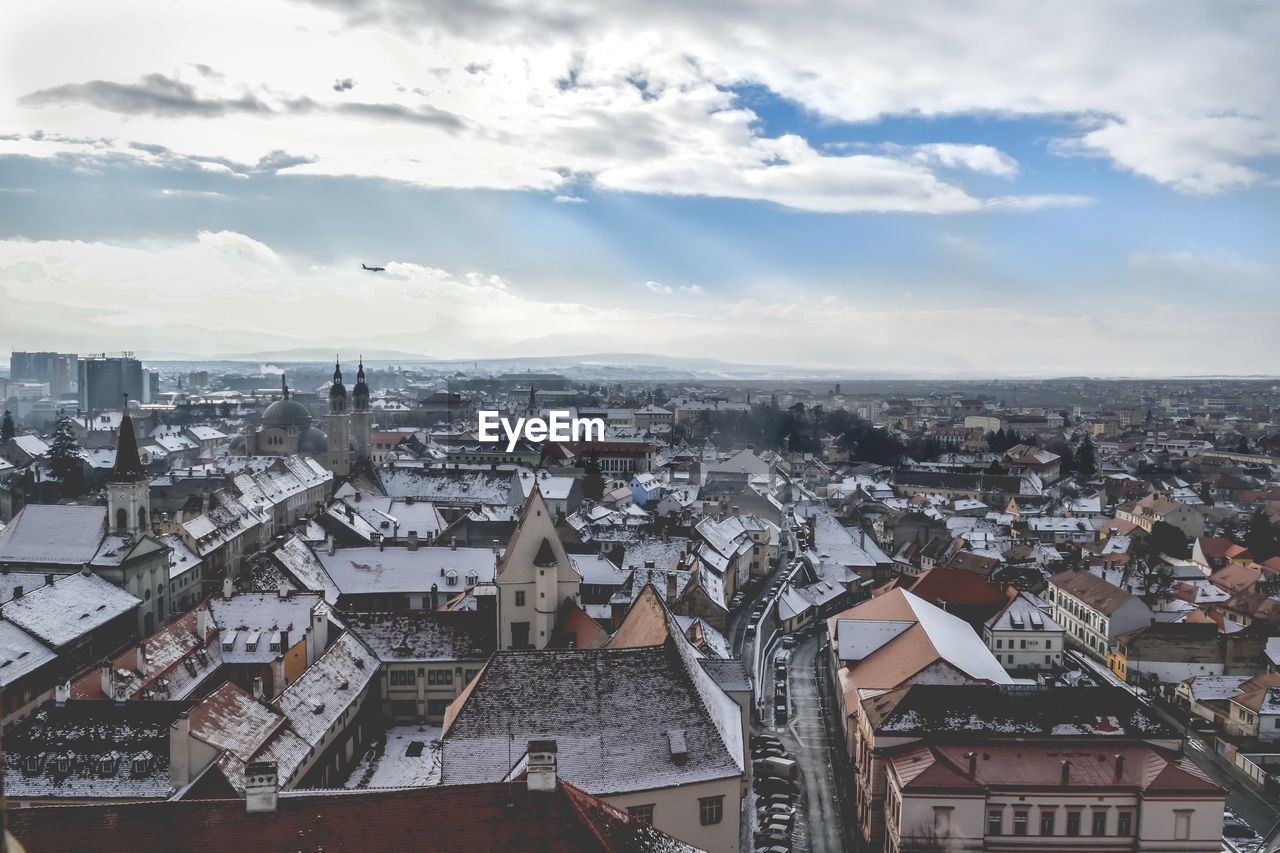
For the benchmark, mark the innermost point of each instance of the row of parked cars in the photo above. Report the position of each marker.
(775, 779)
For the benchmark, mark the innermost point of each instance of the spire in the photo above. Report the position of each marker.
(337, 371)
(360, 393)
(284, 386)
(128, 467)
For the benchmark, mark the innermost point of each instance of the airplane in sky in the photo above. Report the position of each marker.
(373, 269)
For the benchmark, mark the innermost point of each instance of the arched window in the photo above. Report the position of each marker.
(122, 519)
(142, 518)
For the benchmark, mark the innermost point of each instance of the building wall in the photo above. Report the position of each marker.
(1025, 650)
(676, 812)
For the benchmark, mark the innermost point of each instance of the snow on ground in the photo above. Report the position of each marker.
(394, 767)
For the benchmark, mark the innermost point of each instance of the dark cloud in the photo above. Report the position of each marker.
(154, 94)
(343, 85)
(424, 115)
(279, 159)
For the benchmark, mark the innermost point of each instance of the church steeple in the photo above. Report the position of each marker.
(360, 393)
(338, 391)
(128, 487)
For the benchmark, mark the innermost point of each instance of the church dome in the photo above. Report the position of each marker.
(286, 413)
(313, 442)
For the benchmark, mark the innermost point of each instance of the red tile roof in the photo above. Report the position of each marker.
(481, 818)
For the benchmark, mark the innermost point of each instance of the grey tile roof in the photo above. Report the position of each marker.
(610, 712)
(53, 535)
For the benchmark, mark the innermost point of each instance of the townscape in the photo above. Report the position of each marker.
(245, 606)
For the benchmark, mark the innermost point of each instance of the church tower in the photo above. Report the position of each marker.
(361, 417)
(128, 487)
(338, 427)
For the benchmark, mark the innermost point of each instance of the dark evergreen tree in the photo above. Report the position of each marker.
(1084, 458)
(1260, 539)
(1167, 539)
(6, 426)
(593, 482)
(1243, 445)
(65, 460)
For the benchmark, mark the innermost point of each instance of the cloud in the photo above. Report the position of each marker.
(568, 199)
(659, 288)
(1195, 263)
(343, 85)
(155, 94)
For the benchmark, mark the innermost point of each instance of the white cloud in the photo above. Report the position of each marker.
(548, 95)
(568, 199)
(657, 287)
(1195, 263)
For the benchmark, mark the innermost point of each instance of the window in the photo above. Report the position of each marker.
(1046, 822)
(995, 820)
(644, 814)
(402, 677)
(1182, 824)
(1073, 823)
(999, 644)
(941, 820)
(1099, 822)
(444, 676)
(1024, 644)
(1048, 644)
(520, 598)
(1019, 823)
(1124, 823)
(710, 810)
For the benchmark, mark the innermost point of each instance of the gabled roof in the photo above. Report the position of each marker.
(481, 819)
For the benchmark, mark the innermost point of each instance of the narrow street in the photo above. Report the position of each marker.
(806, 737)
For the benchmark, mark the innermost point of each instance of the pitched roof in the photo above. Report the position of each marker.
(128, 467)
(51, 534)
(70, 607)
(481, 818)
(1099, 594)
(610, 711)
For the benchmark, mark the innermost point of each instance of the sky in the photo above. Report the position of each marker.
(951, 188)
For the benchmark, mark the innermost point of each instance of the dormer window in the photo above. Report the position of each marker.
(107, 766)
(452, 578)
(64, 764)
(472, 578)
(32, 765)
(142, 764)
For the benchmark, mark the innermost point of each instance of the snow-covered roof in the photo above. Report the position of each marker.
(51, 534)
(69, 608)
(20, 653)
(355, 571)
(296, 558)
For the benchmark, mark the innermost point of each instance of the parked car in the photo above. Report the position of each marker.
(1234, 827)
(780, 712)
(774, 848)
(775, 785)
(774, 800)
(765, 740)
(769, 752)
(789, 641)
(781, 809)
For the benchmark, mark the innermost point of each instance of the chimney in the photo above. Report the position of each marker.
(180, 751)
(228, 587)
(497, 548)
(331, 545)
(413, 540)
(277, 674)
(453, 543)
(1119, 766)
(62, 693)
(1066, 772)
(202, 624)
(261, 787)
(108, 680)
(283, 591)
(382, 543)
(973, 763)
(257, 687)
(671, 588)
(142, 659)
(48, 580)
(540, 765)
(17, 593)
